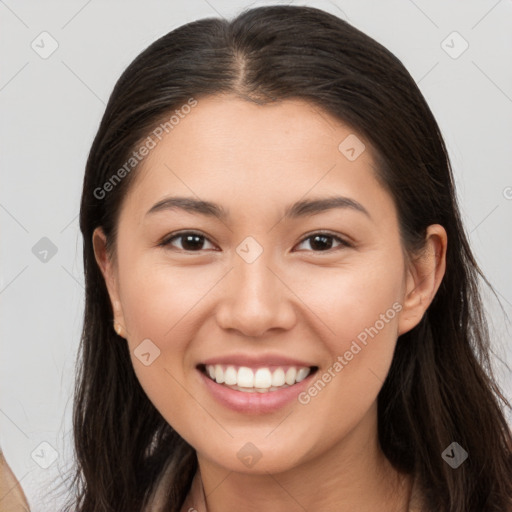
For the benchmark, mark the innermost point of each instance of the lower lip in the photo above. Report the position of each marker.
(256, 402)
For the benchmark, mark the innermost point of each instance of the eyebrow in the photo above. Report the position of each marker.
(304, 208)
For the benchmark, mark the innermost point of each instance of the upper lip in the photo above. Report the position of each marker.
(256, 361)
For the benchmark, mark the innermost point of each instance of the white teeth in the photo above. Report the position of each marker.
(219, 374)
(302, 374)
(260, 380)
(263, 378)
(230, 376)
(278, 377)
(290, 376)
(245, 377)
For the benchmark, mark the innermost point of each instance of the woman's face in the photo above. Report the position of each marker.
(279, 284)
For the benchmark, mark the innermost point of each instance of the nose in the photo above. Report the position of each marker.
(256, 299)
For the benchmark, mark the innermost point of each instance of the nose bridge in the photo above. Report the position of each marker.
(255, 283)
(255, 299)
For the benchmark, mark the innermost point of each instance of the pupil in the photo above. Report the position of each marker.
(319, 242)
(196, 242)
(322, 244)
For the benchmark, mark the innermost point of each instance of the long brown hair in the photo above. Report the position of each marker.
(440, 387)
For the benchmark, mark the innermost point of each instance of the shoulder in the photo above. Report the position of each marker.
(13, 497)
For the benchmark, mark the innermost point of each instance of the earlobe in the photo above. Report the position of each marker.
(424, 276)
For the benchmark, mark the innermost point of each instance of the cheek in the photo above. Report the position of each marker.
(158, 301)
(361, 311)
(366, 309)
(160, 308)
(354, 302)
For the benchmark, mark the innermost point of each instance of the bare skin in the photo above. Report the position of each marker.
(292, 300)
(12, 497)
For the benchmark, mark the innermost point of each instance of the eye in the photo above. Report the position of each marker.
(191, 241)
(322, 242)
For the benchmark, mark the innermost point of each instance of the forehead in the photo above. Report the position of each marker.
(234, 151)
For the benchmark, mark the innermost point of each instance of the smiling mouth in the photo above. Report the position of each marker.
(258, 380)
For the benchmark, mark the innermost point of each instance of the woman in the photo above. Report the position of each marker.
(282, 309)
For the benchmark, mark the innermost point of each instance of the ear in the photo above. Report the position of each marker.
(423, 278)
(109, 271)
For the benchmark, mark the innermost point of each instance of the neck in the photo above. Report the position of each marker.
(352, 475)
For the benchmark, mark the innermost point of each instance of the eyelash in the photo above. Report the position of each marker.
(343, 243)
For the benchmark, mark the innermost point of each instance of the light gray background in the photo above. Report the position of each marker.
(51, 108)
